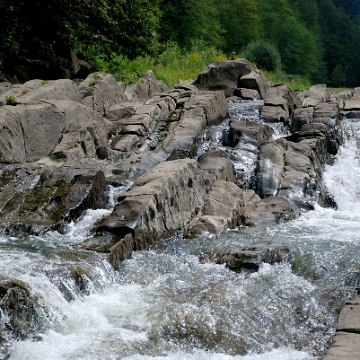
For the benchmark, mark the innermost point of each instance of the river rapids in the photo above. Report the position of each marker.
(166, 304)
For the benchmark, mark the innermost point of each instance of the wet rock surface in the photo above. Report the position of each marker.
(59, 146)
(195, 166)
(346, 342)
(251, 258)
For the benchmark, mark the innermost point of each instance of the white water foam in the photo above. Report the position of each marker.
(116, 322)
(100, 327)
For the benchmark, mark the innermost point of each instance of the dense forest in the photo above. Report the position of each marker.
(314, 38)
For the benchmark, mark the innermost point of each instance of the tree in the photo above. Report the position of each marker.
(338, 76)
(265, 55)
(242, 23)
(298, 45)
(186, 21)
(40, 29)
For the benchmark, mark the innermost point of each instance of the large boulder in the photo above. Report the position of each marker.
(47, 197)
(34, 90)
(84, 134)
(22, 316)
(159, 203)
(251, 258)
(224, 208)
(279, 104)
(5, 86)
(248, 133)
(143, 89)
(328, 114)
(345, 346)
(223, 75)
(302, 116)
(318, 137)
(270, 169)
(255, 80)
(202, 110)
(29, 132)
(302, 181)
(101, 91)
(216, 165)
(294, 170)
(269, 211)
(315, 95)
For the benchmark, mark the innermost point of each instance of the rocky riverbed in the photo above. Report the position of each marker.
(63, 143)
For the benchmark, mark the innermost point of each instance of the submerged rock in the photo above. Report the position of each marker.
(21, 315)
(61, 145)
(252, 257)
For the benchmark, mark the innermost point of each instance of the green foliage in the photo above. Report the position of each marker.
(241, 22)
(23, 92)
(39, 29)
(294, 82)
(185, 21)
(264, 55)
(338, 76)
(125, 69)
(44, 82)
(127, 37)
(171, 65)
(10, 100)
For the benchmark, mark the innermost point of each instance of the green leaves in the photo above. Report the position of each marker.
(264, 55)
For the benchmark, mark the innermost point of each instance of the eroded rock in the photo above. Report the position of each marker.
(160, 202)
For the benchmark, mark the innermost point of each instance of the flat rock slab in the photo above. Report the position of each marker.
(346, 346)
(352, 104)
(349, 318)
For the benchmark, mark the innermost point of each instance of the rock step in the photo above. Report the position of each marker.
(346, 342)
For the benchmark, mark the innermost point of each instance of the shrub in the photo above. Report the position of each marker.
(264, 54)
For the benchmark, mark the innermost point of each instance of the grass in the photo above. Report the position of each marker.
(11, 100)
(171, 65)
(294, 82)
(337, 90)
(174, 64)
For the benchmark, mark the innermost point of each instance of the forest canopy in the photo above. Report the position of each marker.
(313, 38)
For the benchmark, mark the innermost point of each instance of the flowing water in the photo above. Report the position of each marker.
(166, 304)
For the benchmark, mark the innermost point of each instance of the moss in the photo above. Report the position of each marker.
(23, 92)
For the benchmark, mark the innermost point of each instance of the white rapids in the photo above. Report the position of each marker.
(165, 304)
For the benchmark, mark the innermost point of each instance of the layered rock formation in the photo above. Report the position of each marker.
(65, 143)
(62, 145)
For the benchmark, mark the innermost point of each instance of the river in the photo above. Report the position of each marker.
(166, 304)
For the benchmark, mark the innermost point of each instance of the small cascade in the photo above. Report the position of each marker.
(40, 275)
(243, 151)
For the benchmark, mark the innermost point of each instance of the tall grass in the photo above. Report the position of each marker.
(294, 82)
(173, 64)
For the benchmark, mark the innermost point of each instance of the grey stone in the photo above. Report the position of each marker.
(100, 92)
(159, 203)
(216, 165)
(255, 80)
(223, 74)
(346, 346)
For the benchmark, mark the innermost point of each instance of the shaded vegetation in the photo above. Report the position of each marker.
(313, 39)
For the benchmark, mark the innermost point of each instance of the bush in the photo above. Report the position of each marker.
(264, 55)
